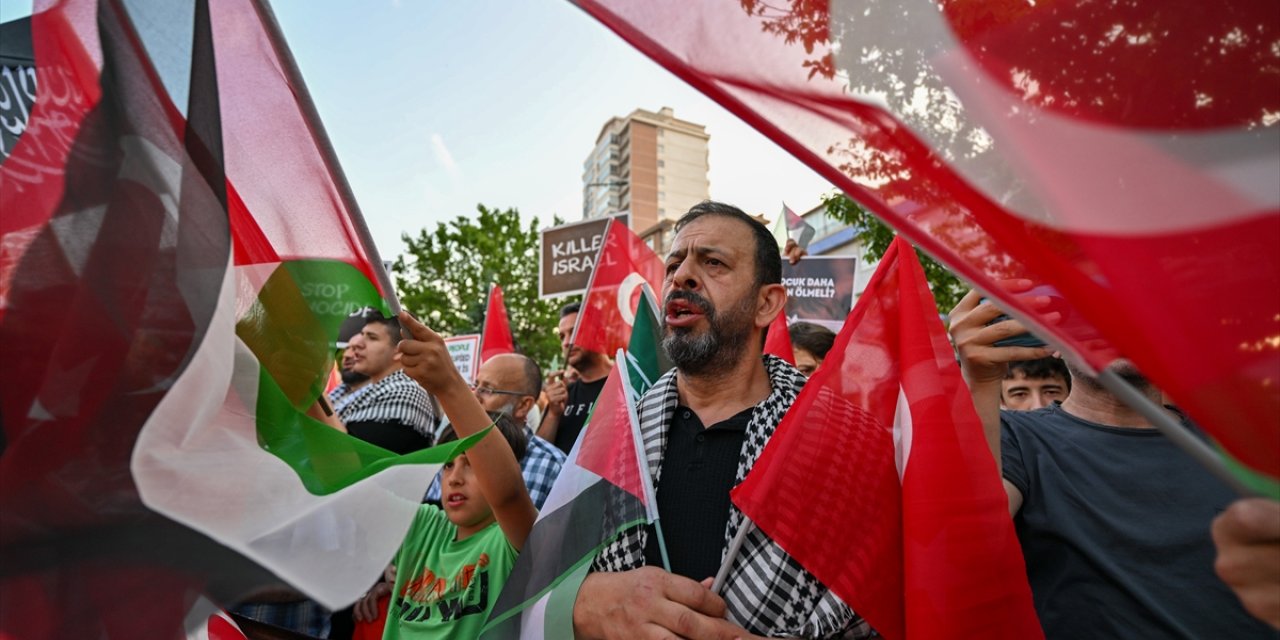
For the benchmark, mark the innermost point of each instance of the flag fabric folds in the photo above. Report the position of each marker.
(598, 494)
(496, 338)
(207, 622)
(887, 447)
(608, 309)
(178, 256)
(1151, 232)
(778, 341)
(603, 489)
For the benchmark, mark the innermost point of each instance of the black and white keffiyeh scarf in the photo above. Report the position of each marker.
(767, 592)
(395, 398)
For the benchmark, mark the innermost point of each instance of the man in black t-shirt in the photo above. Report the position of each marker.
(1114, 520)
(569, 405)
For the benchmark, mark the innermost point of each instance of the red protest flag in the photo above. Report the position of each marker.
(496, 338)
(885, 443)
(778, 341)
(609, 306)
(958, 127)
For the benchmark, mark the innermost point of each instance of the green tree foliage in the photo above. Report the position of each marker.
(876, 236)
(444, 278)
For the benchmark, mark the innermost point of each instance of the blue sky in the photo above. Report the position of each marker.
(436, 106)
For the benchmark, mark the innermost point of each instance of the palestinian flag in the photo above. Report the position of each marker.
(179, 250)
(790, 226)
(1121, 158)
(644, 353)
(603, 489)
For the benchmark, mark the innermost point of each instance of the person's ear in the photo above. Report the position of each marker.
(525, 405)
(771, 300)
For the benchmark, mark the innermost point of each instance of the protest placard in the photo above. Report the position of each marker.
(465, 351)
(568, 255)
(820, 289)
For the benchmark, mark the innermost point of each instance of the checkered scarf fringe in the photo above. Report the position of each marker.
(395, 398)
(767, 592)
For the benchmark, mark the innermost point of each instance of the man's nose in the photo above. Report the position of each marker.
(1039, 400)
(685, 276)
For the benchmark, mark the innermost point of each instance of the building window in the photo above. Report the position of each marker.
(660, 149)
(661, 164)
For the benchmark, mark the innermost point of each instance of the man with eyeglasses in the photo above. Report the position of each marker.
(510, 384)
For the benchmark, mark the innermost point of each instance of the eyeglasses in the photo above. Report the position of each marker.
(488, 391)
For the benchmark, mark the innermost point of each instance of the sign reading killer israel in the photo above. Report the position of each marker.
(568, 255)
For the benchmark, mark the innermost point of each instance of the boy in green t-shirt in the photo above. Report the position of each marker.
(455, 558)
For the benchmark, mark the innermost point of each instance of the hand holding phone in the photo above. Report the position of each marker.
(1021, 340)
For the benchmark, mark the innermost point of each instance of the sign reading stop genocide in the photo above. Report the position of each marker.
(569, 254)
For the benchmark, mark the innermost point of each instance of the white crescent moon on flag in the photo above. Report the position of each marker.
(625, 291)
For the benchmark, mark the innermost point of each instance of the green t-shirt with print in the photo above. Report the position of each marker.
(444, 587)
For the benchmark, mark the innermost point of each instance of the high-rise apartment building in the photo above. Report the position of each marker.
(652, 165)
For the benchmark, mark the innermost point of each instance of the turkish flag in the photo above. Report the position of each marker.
(1122, 158)
(885, 443)
(609, 307)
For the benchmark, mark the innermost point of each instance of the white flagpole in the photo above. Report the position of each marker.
(591, 281)
(735, 546)
(646, 481)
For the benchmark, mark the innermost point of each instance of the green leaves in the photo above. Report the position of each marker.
(876, 236)
(444, 275)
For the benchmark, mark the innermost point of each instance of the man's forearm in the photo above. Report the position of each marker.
(550, 425)
(986, 401)
(496, 468)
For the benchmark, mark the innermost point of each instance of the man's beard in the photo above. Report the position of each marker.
(351, 376)
(717, 349)
(508, 409)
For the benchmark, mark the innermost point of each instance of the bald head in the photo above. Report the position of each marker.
(510, 384)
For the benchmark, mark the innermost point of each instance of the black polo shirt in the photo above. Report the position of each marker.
(698, 470)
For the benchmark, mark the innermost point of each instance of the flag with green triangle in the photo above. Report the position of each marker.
(178, 248)
(603, 489)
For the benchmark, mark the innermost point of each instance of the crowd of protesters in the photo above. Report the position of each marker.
(1123, 535)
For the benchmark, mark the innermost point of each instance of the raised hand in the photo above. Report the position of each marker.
(426, 359)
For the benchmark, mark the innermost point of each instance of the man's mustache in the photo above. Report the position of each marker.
(696, 300)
